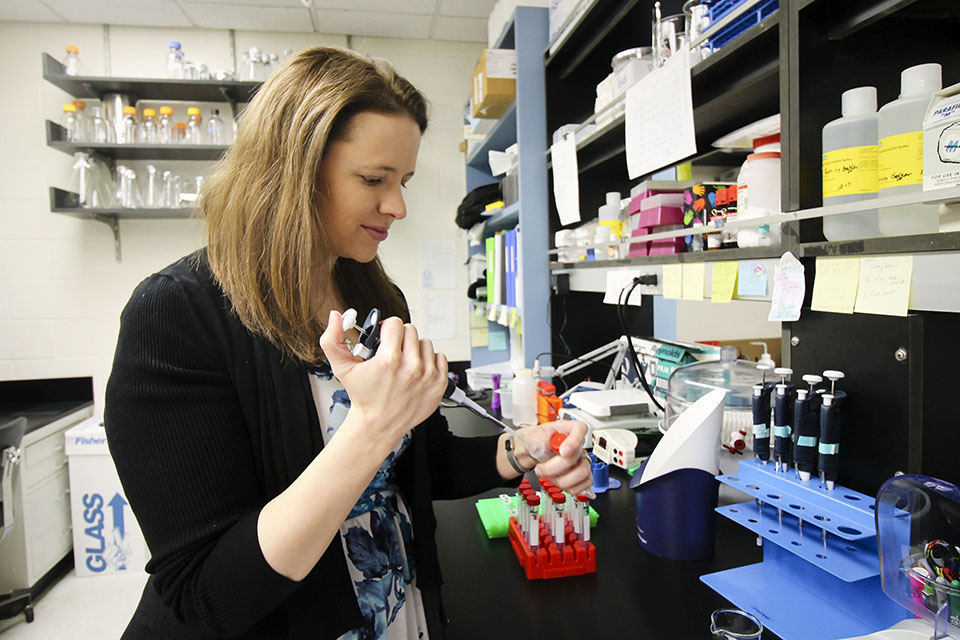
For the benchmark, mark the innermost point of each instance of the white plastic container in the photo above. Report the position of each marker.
(609, 213)
(106, 536)
(524, 401)
(900, 156)
(850, 165)
(758, 195)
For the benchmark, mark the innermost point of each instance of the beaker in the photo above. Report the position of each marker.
(669, 37)
(734, 624)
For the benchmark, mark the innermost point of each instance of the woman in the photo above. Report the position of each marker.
(284, 486)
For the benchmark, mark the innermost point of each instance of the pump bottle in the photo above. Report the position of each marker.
(850, 165)
(900, 153)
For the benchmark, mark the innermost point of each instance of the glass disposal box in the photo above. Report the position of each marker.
(918, 530)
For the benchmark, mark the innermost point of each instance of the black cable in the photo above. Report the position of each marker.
(622, 317)
(568, 360)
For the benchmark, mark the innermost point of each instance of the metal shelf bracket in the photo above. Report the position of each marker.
(114, 223)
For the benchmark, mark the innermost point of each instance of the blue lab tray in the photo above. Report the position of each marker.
(741, 23)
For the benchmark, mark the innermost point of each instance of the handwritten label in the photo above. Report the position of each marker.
(788, 290)
(884, 286)
(850, 171)
(835, 285)
(723, 281)
(900, 160)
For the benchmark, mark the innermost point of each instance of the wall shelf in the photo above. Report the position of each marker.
(56, 139)
(718, 255)
(68, 203)
(503, 134)
(95, 87)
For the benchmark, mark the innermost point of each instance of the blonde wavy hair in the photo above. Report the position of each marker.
(265, 240)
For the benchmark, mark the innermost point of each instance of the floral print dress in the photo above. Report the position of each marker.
(377, 536)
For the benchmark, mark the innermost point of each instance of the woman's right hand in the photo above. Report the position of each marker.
(396, 389)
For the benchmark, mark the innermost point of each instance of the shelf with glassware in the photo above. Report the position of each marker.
(68, 203)
(57, 139)
(522, 124)
(95, 87)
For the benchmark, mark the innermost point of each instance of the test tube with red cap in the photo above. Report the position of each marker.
(530, 515)
(559, 533)
(576, 517)
(552, 517)
(585, 521)
(533, 534)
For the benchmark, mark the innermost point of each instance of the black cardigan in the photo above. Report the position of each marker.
(206, 423)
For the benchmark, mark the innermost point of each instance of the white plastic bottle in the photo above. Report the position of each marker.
(524, 398)
(174, 60)
(71, 61)
(850, 165)
(609, 216)
(758, 195)
(900, 155)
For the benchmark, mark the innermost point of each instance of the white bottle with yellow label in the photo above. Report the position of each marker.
(900, 153)
(850, 165)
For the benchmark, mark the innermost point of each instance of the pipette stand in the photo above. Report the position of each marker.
(802, 591)
(574, 559)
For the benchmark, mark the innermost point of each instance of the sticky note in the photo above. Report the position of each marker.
(497, 340)
(835, 285)
(884, 285)
(751, 279)
(492, 313)
(693, 279)
(672, 281)
(478, 320)
(723, 282)
(513, 317)
(479, 337)
(504, 316)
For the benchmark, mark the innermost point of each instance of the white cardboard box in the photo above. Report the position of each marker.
(941, 140)
(106, 536)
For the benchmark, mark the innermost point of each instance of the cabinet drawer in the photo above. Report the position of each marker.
(43, 458)
(46, 518)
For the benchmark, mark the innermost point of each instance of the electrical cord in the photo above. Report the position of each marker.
(622, 317)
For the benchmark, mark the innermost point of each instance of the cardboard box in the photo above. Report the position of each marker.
(941, 140)
(494, 83)
(106, 536)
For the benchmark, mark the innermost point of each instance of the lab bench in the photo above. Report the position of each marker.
(633, 594)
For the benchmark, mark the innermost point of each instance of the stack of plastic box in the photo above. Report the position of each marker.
(653, 211)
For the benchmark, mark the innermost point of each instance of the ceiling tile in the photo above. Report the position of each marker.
(360, 23)
(423, 7)
(147, 13)
(233, 16)
(27, 11)
(467, 8)
(259, 3)
(465, 29)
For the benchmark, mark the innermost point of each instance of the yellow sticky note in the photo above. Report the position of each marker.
(884, 286)
(478, 320)
(672, 281)
(836, 283)
(513, 317)
(693, 279)
(724, 281)
(479, 337)
(519, 325)
(492, 313)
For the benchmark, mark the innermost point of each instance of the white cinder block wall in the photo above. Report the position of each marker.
(61, 290)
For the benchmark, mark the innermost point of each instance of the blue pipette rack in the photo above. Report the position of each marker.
(802, 590)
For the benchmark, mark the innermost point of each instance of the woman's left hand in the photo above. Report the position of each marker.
(569, 469)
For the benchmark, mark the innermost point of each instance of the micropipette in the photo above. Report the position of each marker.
(367, 347)
(783, 419)
(806, 425)
(831, 421)
(761, 420)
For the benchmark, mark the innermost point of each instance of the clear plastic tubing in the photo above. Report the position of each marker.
(850, 165)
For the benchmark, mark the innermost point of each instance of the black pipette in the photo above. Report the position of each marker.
(831, 423)
(761, 416)
(806, 425)
(783, 419)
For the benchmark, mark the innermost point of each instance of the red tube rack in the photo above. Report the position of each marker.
(575, 559)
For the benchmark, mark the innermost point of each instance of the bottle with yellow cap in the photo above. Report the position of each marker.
(129, 128)
(165, 126)
(69, 122)
(194, 129)
(149, 131)
(71, 61)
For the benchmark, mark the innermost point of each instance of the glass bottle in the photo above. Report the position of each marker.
(194, 127)
(69, 122)
(129, 129)
(99, 130)
(174, 60)
(149, 132)
(165, 127)
(216, 130)
(153, 189)
(179, 133)
(71, 61)
(83, 127)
